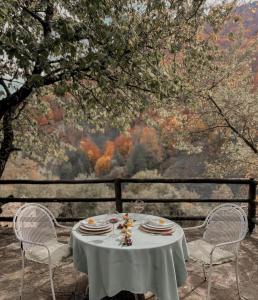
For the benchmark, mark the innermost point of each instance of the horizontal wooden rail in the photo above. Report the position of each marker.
(28, 181)
(188, 180)
(125, 200)
(131, 180)
(76, 219)
(150, 200)
(118, 184)
(45, 200)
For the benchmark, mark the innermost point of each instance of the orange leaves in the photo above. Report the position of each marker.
(147, 134)
(91, 149)
(56, 114)
(42, 121)
(102, 160)
(102, 165)
(109, 148)
(195, 123)
(201, 36)
(48, 98)
(168, 128)
(169, 124)
(123, 144)
(150, 140)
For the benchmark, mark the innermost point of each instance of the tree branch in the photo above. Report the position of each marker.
(35, 16)
(195, 10)
(46, 23)
(250, 144)
(208, 129)
(3, 84)
(12, 80)
(14, 99)
(20, 110)
(48, 18)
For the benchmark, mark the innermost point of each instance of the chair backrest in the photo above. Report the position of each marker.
(34, 223)
(226, 223)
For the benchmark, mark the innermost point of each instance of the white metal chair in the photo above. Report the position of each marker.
(34, 226)
(224, 228)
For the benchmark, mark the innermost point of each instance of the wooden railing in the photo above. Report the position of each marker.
(119, 199)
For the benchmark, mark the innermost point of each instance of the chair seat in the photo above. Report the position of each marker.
(200, 250)
(58, 252)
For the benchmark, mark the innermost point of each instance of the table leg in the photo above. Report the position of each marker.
(124, 295)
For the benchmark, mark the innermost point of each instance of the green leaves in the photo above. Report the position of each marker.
(60, 89)
(35, 80)
(108, 60)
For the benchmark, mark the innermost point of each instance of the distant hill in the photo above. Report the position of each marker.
(249, 15)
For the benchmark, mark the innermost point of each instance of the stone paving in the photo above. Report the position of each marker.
(37, 286)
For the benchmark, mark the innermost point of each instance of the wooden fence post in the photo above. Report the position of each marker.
(118, 193)
(251, 205)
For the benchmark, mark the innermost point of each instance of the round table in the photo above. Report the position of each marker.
(153, 263)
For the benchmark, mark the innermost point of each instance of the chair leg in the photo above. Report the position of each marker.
(209, 282)
(51, 282)
(22, 275)
(53, 273)
(87, 291)
(237, 277)
(204, 272)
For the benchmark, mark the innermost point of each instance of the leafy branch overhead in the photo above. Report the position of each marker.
(108, 56)
(115, 47)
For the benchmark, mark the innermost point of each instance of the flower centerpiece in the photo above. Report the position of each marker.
(126, 232)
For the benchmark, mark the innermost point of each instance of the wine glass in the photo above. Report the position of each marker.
(139, 206)
(113, 219)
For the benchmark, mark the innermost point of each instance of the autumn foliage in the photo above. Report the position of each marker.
(103, 165)
(90, 149)
(55, 113)
(149, 138)
(169, 124)
(109, 148)
(124, 144)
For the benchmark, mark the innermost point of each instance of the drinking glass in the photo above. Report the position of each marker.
(139, 207)
(113, 219)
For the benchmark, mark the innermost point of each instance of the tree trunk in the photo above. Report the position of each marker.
(7, 142)
(14, 100)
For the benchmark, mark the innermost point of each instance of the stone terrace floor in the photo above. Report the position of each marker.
(37, 286)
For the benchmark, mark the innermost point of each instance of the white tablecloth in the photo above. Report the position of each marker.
(153, 263)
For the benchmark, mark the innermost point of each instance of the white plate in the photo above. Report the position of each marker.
(158, 229)
(86, 227)
(97, 224)
(153, 231)
(94, 232)
(154, 223)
